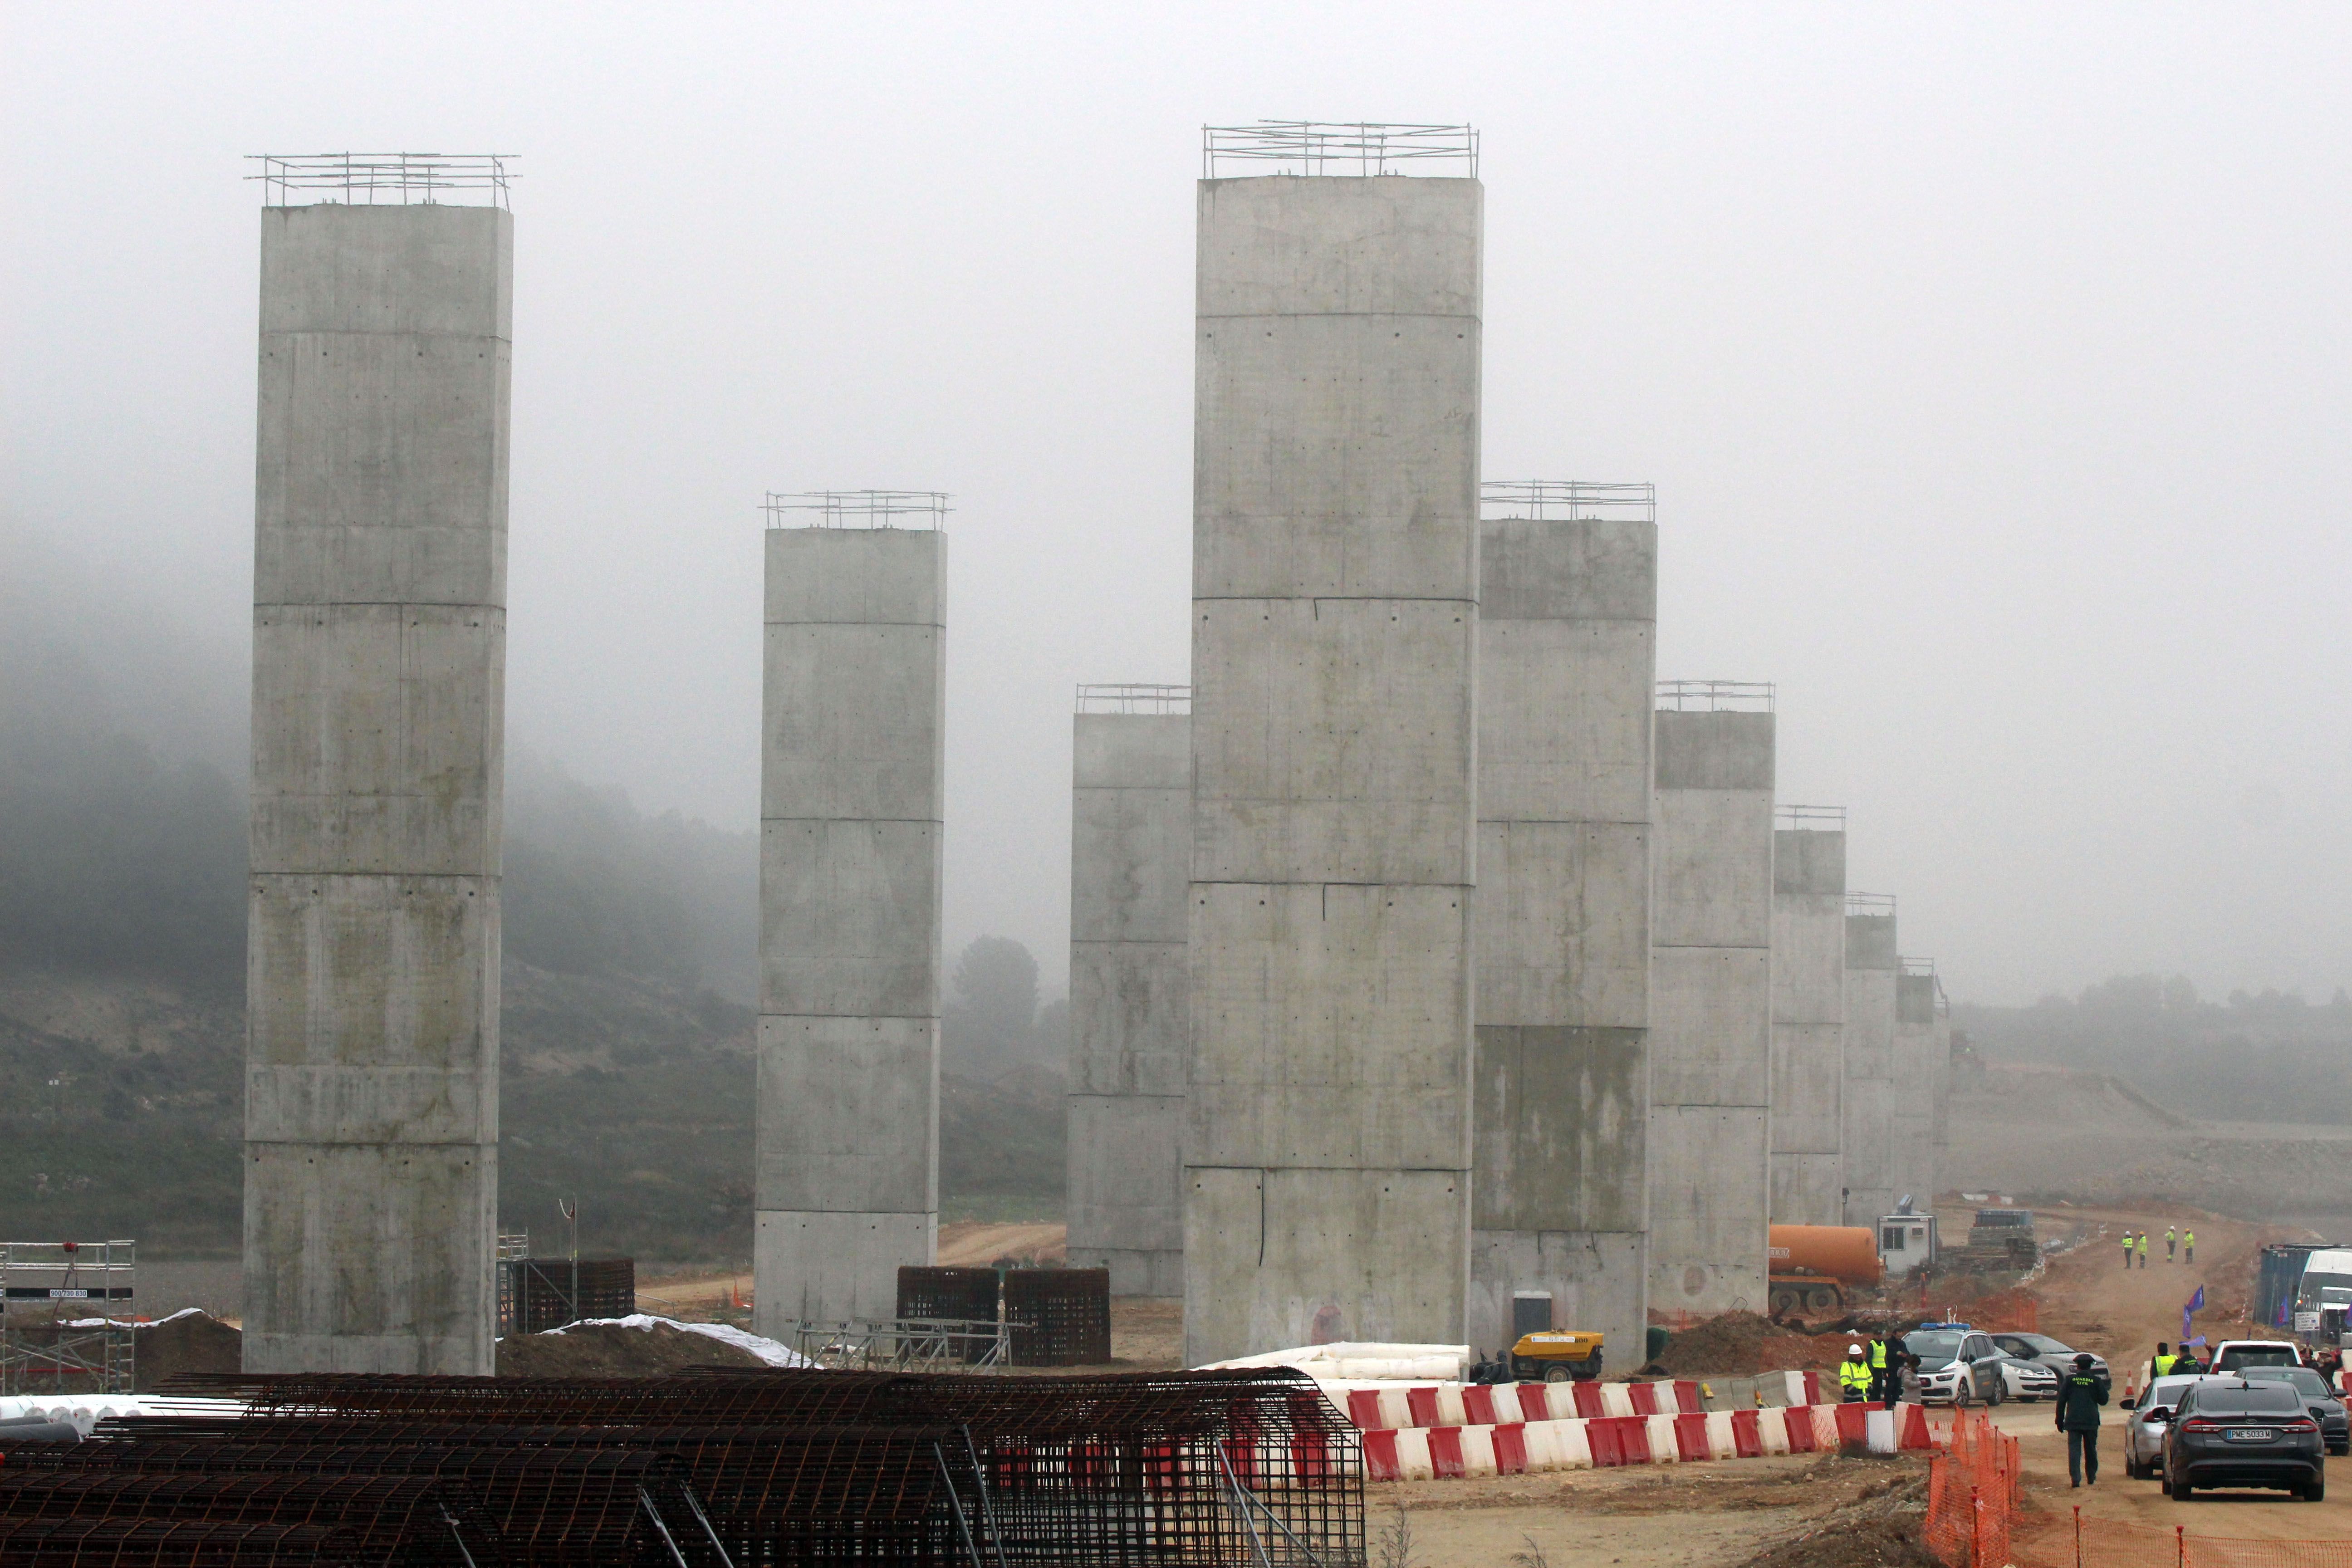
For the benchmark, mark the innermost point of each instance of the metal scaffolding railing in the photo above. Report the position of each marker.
(1567, 501)
(1337, 147)
(1809, 818)
(65, 1317)
(923, 509)
(363, 177)
(1715, 696)
(1879, 904)
(1134, 697)
(907, 1344)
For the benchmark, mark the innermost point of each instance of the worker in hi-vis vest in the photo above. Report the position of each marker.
(2170, 1239)
(2163, 1362)
(1853, 1376)
(2188, 1246)
(2127, 1246)
(2143, 1249)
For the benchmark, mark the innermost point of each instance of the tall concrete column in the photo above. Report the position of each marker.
(1130, 861)
(1913, 1083)
(1567, 666)
(1808, 1015)
(1335, 666)
(851, 772)
(379, 668)
(1711, 998)
(1872, 970)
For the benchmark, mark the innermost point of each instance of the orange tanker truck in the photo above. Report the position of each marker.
(1815, 1267)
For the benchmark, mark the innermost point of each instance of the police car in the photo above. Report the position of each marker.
(1960, 1365)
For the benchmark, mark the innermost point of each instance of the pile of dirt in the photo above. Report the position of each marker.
(185, 1342)
(1740, 1344)
(1880, 1528)
(607, 1350)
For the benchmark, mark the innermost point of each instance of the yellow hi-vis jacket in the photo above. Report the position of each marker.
(1854, 1377)
(1878, 1354)
(2164, 1365)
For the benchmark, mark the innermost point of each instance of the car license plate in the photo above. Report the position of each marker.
(2249, 1434)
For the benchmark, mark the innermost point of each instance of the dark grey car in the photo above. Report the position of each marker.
(2326, 1407)
(2227, 1432)
(2055, 1355)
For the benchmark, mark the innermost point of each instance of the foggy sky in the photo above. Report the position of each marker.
(1990, 362)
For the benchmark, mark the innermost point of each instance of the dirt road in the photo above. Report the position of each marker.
(2091, 1301)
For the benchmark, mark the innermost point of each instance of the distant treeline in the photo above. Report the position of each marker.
(2268, 1058)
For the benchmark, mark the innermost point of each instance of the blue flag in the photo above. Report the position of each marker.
(2196, 1304)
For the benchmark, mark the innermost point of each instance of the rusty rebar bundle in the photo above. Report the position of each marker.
(732, 1468)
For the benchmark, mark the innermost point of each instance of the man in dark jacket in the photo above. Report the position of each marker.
(2080, 1395)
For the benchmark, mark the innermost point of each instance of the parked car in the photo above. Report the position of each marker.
(2228, 1432)
(2058, 1357)
(2231, 1355)
(2023, 1379)
(1958, 1366)
(2146, 1418)
(2326, 1407)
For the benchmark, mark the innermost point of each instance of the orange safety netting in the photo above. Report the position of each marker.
(1974, 1491)
(2114, 1543)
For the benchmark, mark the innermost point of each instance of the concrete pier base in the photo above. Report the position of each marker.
(1567, 668)
(1711, 1000)
(1809, 1016)
(1334, 665)
(1130, 858)
(378, 665)
(847, 1179)
(1872, 969)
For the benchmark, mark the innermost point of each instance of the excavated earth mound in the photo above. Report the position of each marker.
(607, 1350)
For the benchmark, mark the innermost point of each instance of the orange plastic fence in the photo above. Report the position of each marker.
(1974, 1492)
(2113, 1543)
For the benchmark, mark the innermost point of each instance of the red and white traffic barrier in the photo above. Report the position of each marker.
(1662, 1437)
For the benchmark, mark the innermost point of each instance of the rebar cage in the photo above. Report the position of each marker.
(1715, 696)
(741, 1468)
(1337, 147)
(425, 178)
(924, 509)
(61, 1329)
(1134, 697)
(1567, 501)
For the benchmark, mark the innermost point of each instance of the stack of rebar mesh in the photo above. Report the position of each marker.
(709, 1468)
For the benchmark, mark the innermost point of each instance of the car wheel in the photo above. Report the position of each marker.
(1962, 1393)
(1555, 1373)
(2181, 1491)
(1999, 1387)
(2316, 1489)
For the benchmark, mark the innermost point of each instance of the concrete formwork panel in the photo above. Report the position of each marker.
(370, 1203)
(1126, 1207)
(1808, 1025)
(1335, 640)
(1386, 1252)
(409, 1230)
(1711, 1010)
(1709, 1186)
(851, 786)
(1567, 668)
(1130, 848)
(1872, 969)
(1913, 1089)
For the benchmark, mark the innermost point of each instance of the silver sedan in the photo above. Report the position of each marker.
(2143, 1435)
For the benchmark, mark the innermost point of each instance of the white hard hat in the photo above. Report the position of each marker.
(1853, 1350)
